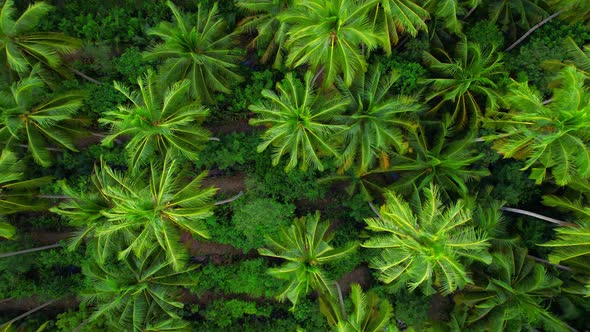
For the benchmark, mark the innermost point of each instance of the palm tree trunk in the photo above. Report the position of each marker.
(46, 148)
(340, 300)
(469, 12)
(229, 200)
(539, 216)
(53, 196)
(84, 322)
(546, 262)
(29, 312)
(26, 251)
(84, 76)
(6, 300)
(101, 135)
(315, 77)
(375, 210)
(531, 30)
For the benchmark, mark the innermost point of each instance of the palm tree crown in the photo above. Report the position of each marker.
(398, 16)
(139, 294)
(425, 244)
(515, 296)
(27, 115)
(549, 136)
(376, 121)
(16, 194)
(271, 33)
(132, 212)
(448, 12)
(572, 245)
(300, 122)
(158, 122)
(21, 48)
(369, 314)
(514, 14)
(304, 246)
(328, 34)
(444, 161)
(466, 78)
(202, 53)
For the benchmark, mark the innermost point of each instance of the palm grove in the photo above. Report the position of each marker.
(407, 165)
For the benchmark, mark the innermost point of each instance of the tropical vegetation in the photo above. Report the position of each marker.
(294, 165)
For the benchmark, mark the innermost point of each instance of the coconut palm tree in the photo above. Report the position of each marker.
(375, 122)
(331, 36)
(464, 80)
(271, 33)
(158, 121)
(369, 312)
(445, 161)
(425, 244)
(571, 10)
(367, 184)
(28, 115)
(132, 212)
(549, 136)
(21, 47)
(139, 293)
(572, 244)
(514, 297)
(449, 12)
(8, 327)
(305, 248)
(515, 14)
(203, 53)
(395, 17)
(299, 121)
(574, 55)
(17, 194)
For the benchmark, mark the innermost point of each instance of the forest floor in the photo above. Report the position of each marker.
(232, 184)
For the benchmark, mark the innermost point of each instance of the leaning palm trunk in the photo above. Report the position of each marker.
(546, 262)
(539, 216)
(531, 30)
(26, 251)
(231, 199)
(7, 324)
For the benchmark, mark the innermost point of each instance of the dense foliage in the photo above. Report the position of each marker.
(294, 165)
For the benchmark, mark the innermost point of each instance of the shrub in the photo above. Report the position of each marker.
(69, 320)
(544, 44)
(486, 33)
(49, 274)
(224, 313)
(409, 72)
(510, 184)
(273, 182)
(246, 277)
(257, 218)
(131, 64)
(235, 105)
(235, 151)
